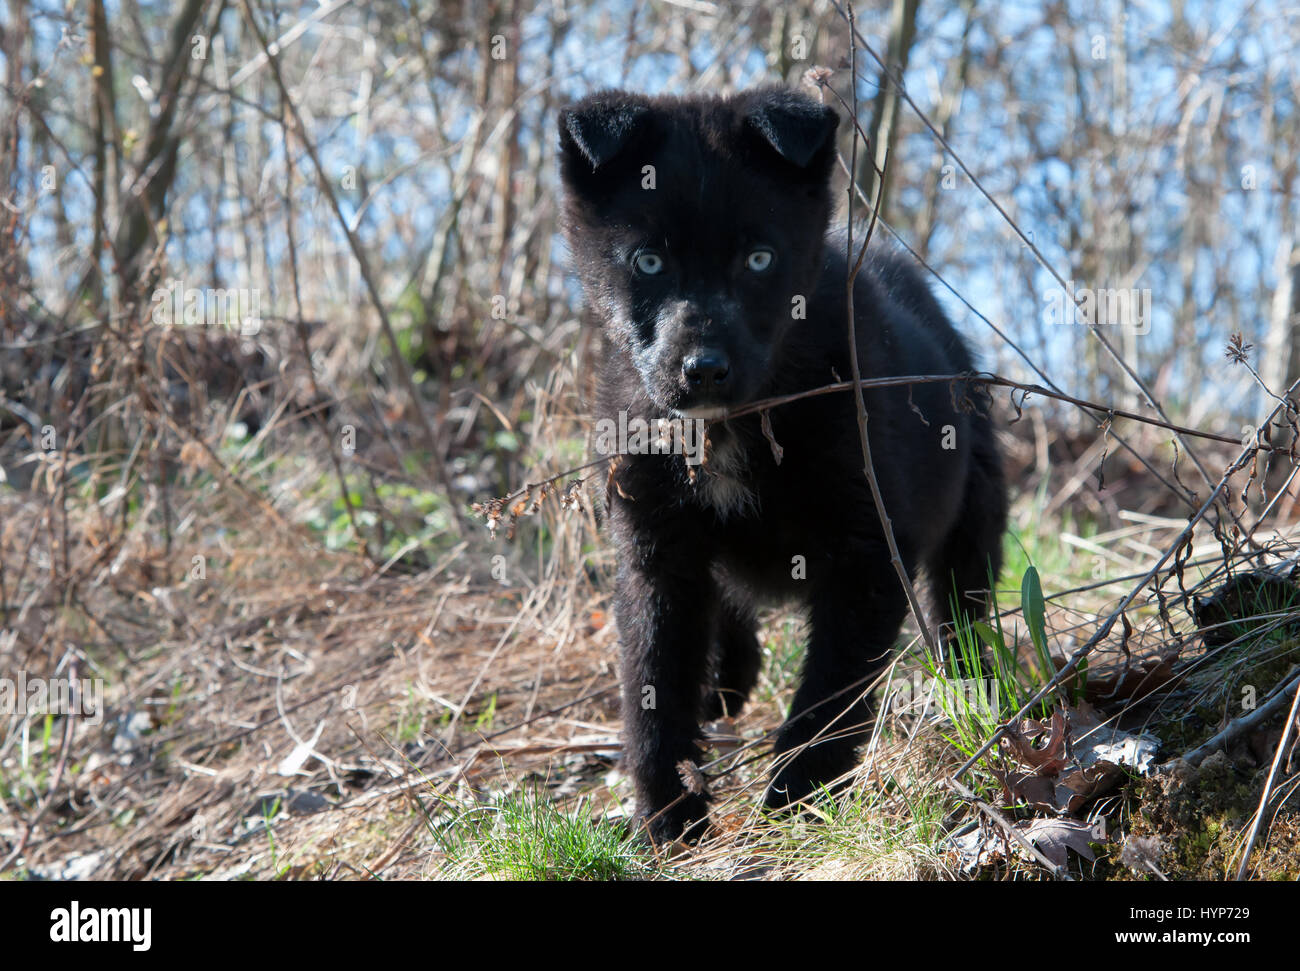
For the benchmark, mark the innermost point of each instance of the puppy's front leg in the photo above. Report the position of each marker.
(855, 621)
(663, 608)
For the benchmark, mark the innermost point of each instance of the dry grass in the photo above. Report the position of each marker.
(417, 695)
(294, 689)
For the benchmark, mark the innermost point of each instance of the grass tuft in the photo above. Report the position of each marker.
(526, 836)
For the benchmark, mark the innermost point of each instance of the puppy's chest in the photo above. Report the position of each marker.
(743, 486)
(726, 483)
(765, 538)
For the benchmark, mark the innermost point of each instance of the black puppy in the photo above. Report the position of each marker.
(698, 227)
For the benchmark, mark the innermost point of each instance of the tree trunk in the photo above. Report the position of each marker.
(884, 122)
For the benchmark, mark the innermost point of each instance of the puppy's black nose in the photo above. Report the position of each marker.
(706, 370)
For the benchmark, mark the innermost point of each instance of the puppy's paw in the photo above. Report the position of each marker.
(786, 790)
(794, 789)
(686, 820)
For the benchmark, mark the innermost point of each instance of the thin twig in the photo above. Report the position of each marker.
(891, 76)
(69, 726)
(869, 468)
(1072, 662)
(1268, 785)
(304, 344)
(997, 380)
(1272, 702)
(973, 378)
(363, 265)
(1002, 823)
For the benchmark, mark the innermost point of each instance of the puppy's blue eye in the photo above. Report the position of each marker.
(649, 263)
(759, 260)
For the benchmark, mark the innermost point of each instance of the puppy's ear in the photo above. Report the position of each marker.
(801, 130)
(598, 128)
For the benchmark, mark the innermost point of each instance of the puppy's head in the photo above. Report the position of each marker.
(697, 226)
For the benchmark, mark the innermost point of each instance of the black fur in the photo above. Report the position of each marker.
(701, 324)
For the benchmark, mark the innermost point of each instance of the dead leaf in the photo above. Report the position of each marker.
(1133, 682)
(1094, 742)
(1053, 837)
(1047, 758)
(1115, 674)
(1027, 788)
(778, 452)
(1076, 789)
(1263, 745)
(1070, 760)
(978, 848)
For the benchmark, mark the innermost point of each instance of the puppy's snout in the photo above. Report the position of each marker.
(707, 370)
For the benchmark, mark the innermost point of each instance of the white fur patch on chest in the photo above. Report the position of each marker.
(720, 484)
